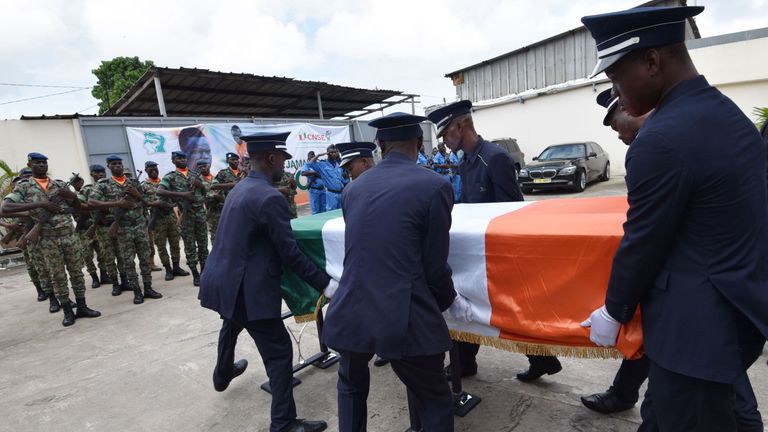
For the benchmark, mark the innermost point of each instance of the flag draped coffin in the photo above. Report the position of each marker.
(532, 271)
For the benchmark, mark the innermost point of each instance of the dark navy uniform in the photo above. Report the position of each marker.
(395, 285)
(695, 243)
(242, 283)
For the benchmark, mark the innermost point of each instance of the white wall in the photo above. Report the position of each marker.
(737, 69)
(60, 140)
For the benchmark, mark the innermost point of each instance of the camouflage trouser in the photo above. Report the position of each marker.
(36, 265)
(89, 250)
(212, 217)
(133, 241)
(108, 252)
(166, 230)
(63, 254)
(195, 235)
(34, 276)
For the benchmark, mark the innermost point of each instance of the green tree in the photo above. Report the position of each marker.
(115, 77)
(762, 116)
(6, 178)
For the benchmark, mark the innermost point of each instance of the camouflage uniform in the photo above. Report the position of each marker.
(132, 237)
(214, 212)
(82, 223)
(194, 231)
(165, 229)
(36, 265)
(107, 246)
(212, 206)
(58, 245)
(285, 181)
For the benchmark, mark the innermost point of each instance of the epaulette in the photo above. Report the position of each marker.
(103, 180)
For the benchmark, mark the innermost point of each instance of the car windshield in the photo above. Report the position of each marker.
(567, 151)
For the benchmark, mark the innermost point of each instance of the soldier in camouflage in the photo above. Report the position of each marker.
(83, 221)
(118, 192)
(287, 187)
(186, 188)
(107, 246)
(214, 200)
(48, 201)
(225, 179)
(163, 225)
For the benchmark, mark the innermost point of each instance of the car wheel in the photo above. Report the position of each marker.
(580, 182)
(526, 189)
(606, 172)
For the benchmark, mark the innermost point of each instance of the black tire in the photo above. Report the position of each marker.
(526, 189)
(580, 182)
(606, 172)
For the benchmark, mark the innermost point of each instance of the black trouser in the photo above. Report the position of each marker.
(276, 352)
(468, 354)
(629, 378)
(678, 403)
(423, 377)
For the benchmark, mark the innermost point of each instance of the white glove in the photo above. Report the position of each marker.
(330, 290)
(605, 329)
(461, 310)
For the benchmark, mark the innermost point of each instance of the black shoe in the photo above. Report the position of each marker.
(195, 277)
(178, 271)
(150, 293)
(95, 283)
(465, 372)
(300, 425)
(539, 368)
(116, 289)
(168, 273)
(124, 285)
(237, 369)
(379, 362)
(138, 297)
(41, 296)
(83, 311)
(69, 316)
(104, 277)
(54, 304)
(606, 403)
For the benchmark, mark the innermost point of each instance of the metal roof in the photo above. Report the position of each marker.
(201, 92)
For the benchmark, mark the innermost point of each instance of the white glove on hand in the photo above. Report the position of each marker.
(461, 310)
(330, 290)
(605, 329)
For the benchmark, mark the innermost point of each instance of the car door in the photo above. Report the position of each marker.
(590, 162)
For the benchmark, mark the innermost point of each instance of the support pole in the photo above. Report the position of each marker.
(319, 105)
(160, 100)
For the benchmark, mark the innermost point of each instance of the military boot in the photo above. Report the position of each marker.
(104, 277)
(41, 296)
(168, 273)
(149, 292)
(69, 316)
(83, 311)
(124, 285)
(138, 297)
(116, 289)
(95, 280)
(178, 271)
(54, 304)
(195, 277)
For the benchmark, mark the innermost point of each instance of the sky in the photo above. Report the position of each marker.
(51, 46)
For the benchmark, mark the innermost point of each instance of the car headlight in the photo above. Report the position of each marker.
(567, 170)
(523, 173)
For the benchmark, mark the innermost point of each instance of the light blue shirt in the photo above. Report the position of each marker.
(330, 173)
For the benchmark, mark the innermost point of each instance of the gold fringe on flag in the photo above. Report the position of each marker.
(313, 316)
(530, 348)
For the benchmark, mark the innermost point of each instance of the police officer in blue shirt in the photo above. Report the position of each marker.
(422, 159)
(242, 279)
(396, 281)
(695, 242)
(441, 162)
(316, 187)
(331, 174)
(487, 175)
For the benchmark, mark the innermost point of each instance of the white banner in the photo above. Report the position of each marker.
(215, 140)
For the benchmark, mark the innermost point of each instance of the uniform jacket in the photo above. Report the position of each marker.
(107, 189)
(396, 279)
(254, 240)
(28, 191)
(488, 175)
(695, 244)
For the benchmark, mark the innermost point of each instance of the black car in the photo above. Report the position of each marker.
(570, 166)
